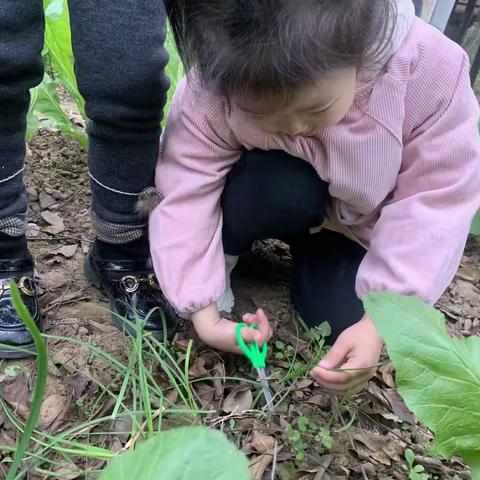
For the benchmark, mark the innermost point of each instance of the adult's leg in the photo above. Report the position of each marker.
(21, 41)
(323, 281)
(119, 62)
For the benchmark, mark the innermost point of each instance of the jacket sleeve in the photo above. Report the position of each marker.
(198, 150)
(417, 244)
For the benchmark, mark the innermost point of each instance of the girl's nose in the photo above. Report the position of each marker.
(295, 128)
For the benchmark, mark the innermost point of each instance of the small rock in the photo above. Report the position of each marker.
(46, 200)
(32, 194)
(83, 331)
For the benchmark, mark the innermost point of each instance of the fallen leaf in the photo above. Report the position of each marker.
(122, 426)
(218, 373)
(46, 200)
(55, 222)
(206, 394)
(51, 408)
(385, 373)
(239, 400)
(398, 406)
(79, 384)
(67, 471)
(262, 443)
(303, 384)
(322, 400)
(116, 446)
(197, 370)
(16, 393)
(258, 465)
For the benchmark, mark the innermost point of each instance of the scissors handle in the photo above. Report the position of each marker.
(256, 356)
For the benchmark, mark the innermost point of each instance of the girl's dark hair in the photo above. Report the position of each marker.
(274, 46)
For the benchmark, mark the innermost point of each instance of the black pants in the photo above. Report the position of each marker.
(274, 195)
(119, 61)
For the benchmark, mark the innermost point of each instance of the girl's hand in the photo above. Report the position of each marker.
(219, 332)
(356, 352)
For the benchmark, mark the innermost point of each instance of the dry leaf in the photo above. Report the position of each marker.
(55, 222)
(206, 394)
(218, 373)
(79, 384)
(16, 393)
(322, 400)
(122, 426)
(385, 373)
(51, 408)
(239, 400)
(46, 200)
(67, 471)
(198, 370)
(303, 384)
(398, 406)
(262, 443)
(258, 465)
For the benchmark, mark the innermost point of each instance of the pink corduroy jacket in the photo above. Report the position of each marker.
(403, 168)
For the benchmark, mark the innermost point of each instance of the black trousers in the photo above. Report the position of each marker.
(275, 195)
(119, 62)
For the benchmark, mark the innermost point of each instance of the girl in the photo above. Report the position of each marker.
(348, 129)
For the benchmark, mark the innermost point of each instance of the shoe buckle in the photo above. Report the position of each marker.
(130, 283)
(26, 285)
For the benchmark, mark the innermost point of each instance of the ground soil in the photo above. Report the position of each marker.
(371, 447)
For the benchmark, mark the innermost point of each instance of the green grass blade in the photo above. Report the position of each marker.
(42, 368)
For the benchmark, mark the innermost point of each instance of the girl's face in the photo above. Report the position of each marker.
(320, 105)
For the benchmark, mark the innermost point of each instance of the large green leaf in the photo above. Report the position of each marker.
(48, 111)
(184, 453)
(475, 230)
(59, 47)
(32, 120)
(437, 375)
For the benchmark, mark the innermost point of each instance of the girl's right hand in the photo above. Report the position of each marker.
(220, 333)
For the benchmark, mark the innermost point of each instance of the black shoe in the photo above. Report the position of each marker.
(134, 295)
(13, 331)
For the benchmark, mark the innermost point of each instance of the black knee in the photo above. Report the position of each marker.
(323, 281)
(21, 65)
(120, 66)
(271, 195)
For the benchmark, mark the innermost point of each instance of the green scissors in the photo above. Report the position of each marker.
(257, 358)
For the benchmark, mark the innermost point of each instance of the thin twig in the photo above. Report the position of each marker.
(59, 238)
(274, 461)
(350, 439)
(324, 467)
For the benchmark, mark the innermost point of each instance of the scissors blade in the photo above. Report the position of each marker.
(267, 393)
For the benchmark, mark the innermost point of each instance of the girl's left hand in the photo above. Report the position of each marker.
(356, 352)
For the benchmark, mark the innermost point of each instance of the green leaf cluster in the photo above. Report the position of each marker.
(438, 376)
